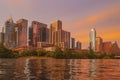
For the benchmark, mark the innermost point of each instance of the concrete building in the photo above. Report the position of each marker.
(54, 26)
(111, 48)
(59, 37)
(30, 36)
(93, 39)
(115, 49)
(1, 37)
(44, 45)
(99, 44)
(39, 33)
(78, 45)
(22, 33)
(72, 43)
(62, 39)
(107, 47)
(9, 33)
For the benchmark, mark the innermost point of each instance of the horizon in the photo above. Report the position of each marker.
(76, 16)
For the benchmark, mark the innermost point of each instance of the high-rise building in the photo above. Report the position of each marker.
(93, 39)
(48, 35)
(30, 36)
(1, 37)
(99, 44)
(78, 45)
(72, 43)
(9, 33)
(40, 33)
(62, 38)
(54, 26)
(59, 37)
(22, 33)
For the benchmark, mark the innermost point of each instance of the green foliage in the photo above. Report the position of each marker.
(67, 54)
(28, 53)
(49, 54)
(58, 53)
(41, 52)
(6, 53)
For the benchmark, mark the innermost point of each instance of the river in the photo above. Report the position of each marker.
(59, 69)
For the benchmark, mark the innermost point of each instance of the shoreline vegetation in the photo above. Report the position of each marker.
(57, 54)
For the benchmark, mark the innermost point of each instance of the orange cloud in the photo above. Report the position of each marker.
(96, 18)
(109, 33)
(106, 32)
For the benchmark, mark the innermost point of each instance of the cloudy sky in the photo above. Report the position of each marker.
(78, 16)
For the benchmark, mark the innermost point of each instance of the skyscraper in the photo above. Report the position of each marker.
(1, 37)
(93, 39)
(30, 36)
(72, 43)
(54, 26)
(22, 34)
(9, 38)
(78, 45)
(59, 37)
(40, 33)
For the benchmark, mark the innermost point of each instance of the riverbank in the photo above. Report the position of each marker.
(57, 54)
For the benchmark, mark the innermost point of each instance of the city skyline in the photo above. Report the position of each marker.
(78, 17)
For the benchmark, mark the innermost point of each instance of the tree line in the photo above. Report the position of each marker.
(58, 54)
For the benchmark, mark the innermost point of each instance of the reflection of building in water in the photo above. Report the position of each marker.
(29, 69)
(67, 71)
(79, 69)
(92, 69)
(7, 68)
(20, 66)
(56, 69)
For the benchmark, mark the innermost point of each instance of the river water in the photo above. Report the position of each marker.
(59, 69)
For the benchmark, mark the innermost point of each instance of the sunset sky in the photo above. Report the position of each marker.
(78, 16)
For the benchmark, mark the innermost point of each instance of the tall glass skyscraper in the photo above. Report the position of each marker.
(93, 39)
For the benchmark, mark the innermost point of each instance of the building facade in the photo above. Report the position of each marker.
(54, 26)
(39, 33)
(1, 37)
(72, 43)
(99, 44)
(93, 39)
(78, 45)
(22, 33)
(9, 33)
(30, 36)
(59, 37)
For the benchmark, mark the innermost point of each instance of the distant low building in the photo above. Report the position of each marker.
(107, 47)
(44, 45)
(115, 49)
(49, 48)
(111, 48)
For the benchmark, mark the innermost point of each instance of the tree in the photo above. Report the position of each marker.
(58, 53)
(6, 53)
(41, 52)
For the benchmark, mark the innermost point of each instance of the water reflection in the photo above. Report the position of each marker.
(52, 69)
